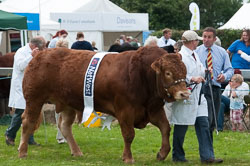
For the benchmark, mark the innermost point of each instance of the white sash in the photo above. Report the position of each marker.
(88, 88)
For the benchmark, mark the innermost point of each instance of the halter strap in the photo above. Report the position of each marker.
(168, 86)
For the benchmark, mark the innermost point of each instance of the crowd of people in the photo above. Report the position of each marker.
(208, 67)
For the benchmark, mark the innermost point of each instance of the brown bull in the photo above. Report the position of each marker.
(131, 86)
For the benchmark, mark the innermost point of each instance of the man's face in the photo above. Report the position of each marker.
(168, 35)
(208, 39)
(195, 43)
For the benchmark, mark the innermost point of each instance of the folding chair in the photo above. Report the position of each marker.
(227, 123)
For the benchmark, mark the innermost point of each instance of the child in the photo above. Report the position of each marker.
(236, 102)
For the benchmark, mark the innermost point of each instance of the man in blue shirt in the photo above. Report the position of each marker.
(221, 69)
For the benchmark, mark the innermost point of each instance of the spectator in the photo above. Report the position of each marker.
(241, 51)
(62, 43)
(134, 42)
(151, 41)
(59, 34)
(116, 47)
(177, 46)
(93, 46)
(217, 41)
(243, 89)
(222, 71)
(81, 44)
(59, 137)
(21, 59)
(122, 39)
(166, 40)
(189, 112)
(236, 102)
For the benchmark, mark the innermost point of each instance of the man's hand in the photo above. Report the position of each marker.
(220, 78)
(197, 79)
(35, 51)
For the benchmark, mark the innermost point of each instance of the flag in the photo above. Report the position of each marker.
(195, 20)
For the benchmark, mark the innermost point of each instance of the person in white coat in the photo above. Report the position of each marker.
(16, 100)
(190, 112)
(166, 40)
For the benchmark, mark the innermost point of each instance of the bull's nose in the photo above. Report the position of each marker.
(185, 94)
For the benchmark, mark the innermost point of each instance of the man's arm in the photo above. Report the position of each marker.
(228, 71)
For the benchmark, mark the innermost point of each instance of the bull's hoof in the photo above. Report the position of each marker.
(128, 161)
(77, 154)
(159, 157)
(22, 155)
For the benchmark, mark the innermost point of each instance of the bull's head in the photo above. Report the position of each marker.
(170, 77)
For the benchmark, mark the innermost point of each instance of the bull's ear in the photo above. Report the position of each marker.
(156, 66)
(179, 55)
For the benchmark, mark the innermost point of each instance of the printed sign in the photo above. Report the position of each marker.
(32, 20)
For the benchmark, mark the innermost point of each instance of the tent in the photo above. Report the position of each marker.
(12, 21)
(240, 19)
(90, 15)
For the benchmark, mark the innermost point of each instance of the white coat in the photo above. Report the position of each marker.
(162, 42)
(21, 59)
(184, 112)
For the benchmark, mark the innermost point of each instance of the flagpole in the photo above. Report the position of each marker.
(39, 8)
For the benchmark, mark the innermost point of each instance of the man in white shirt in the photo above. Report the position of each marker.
(166, 40)
(16, 100)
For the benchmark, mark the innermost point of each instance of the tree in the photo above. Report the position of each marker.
(176, 15)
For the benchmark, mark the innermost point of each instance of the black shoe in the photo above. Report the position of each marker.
(212, 161)
(178, 160)
(34, 143)
(9, 141)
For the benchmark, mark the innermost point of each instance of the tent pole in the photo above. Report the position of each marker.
(102, 40)
(25, 37)
(7, 42)
(22, 38)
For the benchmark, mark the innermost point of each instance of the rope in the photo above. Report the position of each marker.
(3, 78)
(234, 90)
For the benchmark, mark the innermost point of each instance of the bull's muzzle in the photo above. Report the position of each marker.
(182, 95)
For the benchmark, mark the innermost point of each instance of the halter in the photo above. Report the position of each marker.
(168, 86)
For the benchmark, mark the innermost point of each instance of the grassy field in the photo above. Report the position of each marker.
(104, 148)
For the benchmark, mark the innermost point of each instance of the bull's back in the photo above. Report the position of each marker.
(59, 74)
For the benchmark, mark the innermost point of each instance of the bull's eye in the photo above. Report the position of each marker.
(168, 73)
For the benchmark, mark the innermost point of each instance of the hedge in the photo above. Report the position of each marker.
(227, 37)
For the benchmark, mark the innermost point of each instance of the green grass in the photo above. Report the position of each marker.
(104, 148)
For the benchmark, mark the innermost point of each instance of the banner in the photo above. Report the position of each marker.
(195, 20)
(102, 22)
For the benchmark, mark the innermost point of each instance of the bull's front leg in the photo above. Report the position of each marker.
(159, 119)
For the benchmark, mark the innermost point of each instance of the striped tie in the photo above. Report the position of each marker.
(209, 61)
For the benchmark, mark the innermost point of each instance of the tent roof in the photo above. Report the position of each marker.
(100, 6)
(240, 19)
(59, 6)
(12, 21)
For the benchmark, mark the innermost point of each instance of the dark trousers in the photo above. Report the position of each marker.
(15, 125)
(224, 108)
(217, 99)
(203, 135)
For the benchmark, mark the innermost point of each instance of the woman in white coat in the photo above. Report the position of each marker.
(189, 112)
